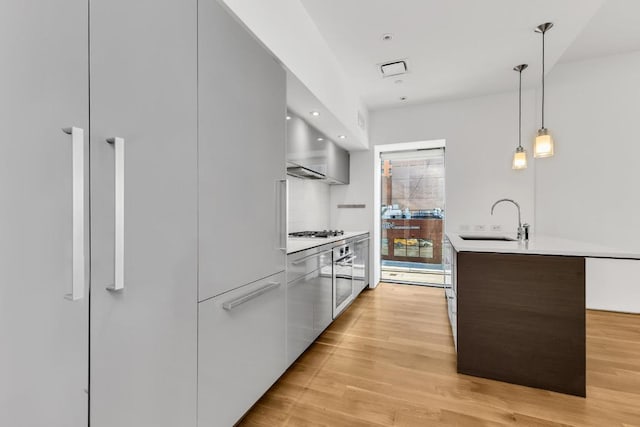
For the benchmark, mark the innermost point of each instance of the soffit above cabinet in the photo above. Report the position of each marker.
(288, 32)
(302, 102)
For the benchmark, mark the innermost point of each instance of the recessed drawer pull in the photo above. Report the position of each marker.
(301, 260)
(230, 305)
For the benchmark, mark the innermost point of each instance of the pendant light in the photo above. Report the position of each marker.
(543, 146)
(520, 156)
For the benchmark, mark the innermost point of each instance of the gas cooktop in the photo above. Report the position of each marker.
(317, 234)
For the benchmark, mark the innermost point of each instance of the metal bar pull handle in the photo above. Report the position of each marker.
(347, 261)
(305, 259)
(230, 305)
(78, 214)
(118, 275)
(282, 219)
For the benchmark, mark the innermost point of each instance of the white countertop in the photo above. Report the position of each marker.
(297, 244)
(538, 245)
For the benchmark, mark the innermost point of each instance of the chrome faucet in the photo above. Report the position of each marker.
(523, 230)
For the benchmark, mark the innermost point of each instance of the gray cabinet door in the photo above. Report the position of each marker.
(306, 146)
(322, 302)
(338, 164)
(43, 336)
(241, 142)
(143, 90)
(300, 312)
(241, 345)
(361, 265)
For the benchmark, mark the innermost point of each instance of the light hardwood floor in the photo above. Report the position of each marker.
(389, 360)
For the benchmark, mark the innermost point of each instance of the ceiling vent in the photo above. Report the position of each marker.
(394, 68)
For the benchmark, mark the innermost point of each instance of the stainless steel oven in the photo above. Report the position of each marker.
(343, 291)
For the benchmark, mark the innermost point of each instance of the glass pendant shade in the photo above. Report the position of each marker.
(519, 159)
(519, 156)
(543, 145)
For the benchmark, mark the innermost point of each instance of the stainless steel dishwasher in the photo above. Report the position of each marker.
(343, 292)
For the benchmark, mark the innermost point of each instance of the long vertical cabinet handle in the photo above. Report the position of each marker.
(282, 216)
(118, 275)
(78, 177)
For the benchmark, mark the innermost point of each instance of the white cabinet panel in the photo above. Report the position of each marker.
(242, 109)
(613, 285)
(452, 310)
(144, 90)
(241, 349)
(449, 259)
(43, 336)
(338, 164)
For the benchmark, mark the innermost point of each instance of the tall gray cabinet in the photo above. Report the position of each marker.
(143, 213)
(242, 232)
(43, 213)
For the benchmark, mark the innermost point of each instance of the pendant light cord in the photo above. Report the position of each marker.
(520, 111)
(543, 79)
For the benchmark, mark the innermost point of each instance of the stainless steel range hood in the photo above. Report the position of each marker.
(302, 172)
(312, 155)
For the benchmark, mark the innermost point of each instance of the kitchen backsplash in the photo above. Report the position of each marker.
(308, 205)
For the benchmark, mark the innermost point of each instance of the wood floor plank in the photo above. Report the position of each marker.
(389, 360)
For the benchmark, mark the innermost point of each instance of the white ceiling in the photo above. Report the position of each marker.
(615, 28)
(455, 48)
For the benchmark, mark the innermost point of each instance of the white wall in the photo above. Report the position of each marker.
(359, 191)
(587, 191)
(481, 135)
(308, 205)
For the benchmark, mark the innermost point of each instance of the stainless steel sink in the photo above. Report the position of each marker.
(489, 238)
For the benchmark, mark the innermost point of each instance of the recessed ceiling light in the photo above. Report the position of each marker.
(288, 117)
(320, 139)
(342, 137)
(403, 98)
(315, 113)
(387, 37)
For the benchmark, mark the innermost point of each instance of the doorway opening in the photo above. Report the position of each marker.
(412, 211)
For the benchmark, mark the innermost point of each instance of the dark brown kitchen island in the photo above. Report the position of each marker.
(521, 319)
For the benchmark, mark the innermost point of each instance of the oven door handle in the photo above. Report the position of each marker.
(343, 258)
(346, 261)
(301, 260)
